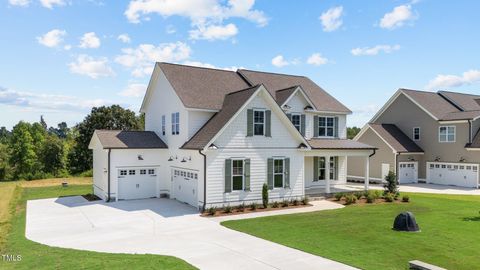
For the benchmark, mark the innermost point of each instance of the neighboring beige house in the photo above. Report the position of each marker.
(214, 137)
(425, 137)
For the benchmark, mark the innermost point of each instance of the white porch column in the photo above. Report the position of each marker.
(367, 172)
(327, 174)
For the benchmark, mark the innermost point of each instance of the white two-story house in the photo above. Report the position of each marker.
(214, 137)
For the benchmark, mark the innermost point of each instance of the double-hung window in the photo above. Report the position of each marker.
(446, 134)
(175, 123)
(278, 172)
(259, 122)
(163, 125)
(296, 121)
(237, 174)
(326, 126)
(322, 168)
(416, 133)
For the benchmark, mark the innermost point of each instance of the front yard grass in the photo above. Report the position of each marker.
(38, 256)
(361, 235)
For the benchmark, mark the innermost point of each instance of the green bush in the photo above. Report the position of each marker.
(265, 195)
(389, 197)
(275, 204)
(285, 203)
(391, 185)
(358, 195)
(350, 199)
(253, 206)
(88, 173)
(227, 209)
(212, 210)
(305, 200)
(339, 196)
(377, 194)
(295, 202)
(241, 207)
(370, 198)
(405, 198)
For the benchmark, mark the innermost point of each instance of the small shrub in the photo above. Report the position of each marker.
(358, 195)
(366, 193)
(405, 198)
(285, 203)
(212, 210)
(305, 200)
(391, 183)
(265, 195)
(377, 194)
(350, 199)
(253, 206)
(275, 204)
(227, 209)
(389, 197)
(339, 196)
(241, 207)
(396, 195)
(295, 202)
(370, 198)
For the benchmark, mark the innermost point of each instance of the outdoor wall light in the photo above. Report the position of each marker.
(437, 159)
(462, 159)
(171, 158)
(186, 158)
(140, 157)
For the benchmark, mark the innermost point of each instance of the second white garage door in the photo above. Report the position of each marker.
(456, 174)
(184, 186)
(137, 183)
(408, 172)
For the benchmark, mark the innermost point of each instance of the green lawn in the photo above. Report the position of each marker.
(37, 256)
(361, 235)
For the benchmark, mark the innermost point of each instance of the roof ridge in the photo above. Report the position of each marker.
(459, 93)
(192, 66)
(245, 89)
(288, 88)
(269, 72)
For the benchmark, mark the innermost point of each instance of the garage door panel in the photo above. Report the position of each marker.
(184, 186)
(456, 174)
(137, 183)
(408, 172)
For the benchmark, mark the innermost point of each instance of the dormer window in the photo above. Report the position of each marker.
(259, 122)
(326, 126)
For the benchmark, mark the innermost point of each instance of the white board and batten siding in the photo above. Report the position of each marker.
(234, 143)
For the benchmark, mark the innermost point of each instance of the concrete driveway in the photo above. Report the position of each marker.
(159, 226)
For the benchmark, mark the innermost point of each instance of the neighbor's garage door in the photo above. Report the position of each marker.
(137, 183)
(457, 174)
(185, 186)
(408, 172)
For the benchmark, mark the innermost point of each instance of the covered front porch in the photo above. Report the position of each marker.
(326, 164)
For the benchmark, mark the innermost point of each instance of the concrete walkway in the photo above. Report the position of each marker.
(415, 188)
(159, 226)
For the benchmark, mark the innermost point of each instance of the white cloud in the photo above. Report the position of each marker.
(53, 38)
(279, 61)
(91, 67)
(20, 3)
(124, 38)
(213, 32)
(317, 59)
(446, 81)
(67, 47)
(362, 114)
(207, 65)
(50, 3)
(89, 40)
(170, 29)
(48, 101)
(134, 90)
(331, 19)
(142, 58)
(375, 50)
(397, 17)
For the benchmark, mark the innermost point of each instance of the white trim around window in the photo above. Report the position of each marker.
(175, 123)
(259, 120)
(447, 134)
(416, 133)
(278, 170)
(328, 125)
(236, 173)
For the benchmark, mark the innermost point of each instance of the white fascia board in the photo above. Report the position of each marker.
(393, 149)
(201, 110)
(452, 121)
(299, 89)
(151, 82)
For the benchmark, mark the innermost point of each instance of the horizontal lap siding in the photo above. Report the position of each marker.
(258, 170)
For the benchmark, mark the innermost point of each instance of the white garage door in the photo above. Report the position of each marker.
(185, 186)
(137, 183)
(456, 174)
(408, 172)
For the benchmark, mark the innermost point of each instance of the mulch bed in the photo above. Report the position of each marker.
(91, 197)
(235, 211)
(363, 201)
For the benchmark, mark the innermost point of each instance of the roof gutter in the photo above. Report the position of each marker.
(108, 176)
(204, 180)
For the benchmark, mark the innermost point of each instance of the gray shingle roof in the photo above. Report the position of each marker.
(338, 144)
(432, 102)
(467, 102)
(273, 82)
(400, 142)
(476, 141)
(205, 88)
(118, 139)
(283, 94)
(232, 103)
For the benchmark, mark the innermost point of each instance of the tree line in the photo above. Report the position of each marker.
(36, 151)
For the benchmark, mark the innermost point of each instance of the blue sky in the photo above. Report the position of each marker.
(60, 57)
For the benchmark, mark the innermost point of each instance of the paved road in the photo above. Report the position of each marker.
(159, 226)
